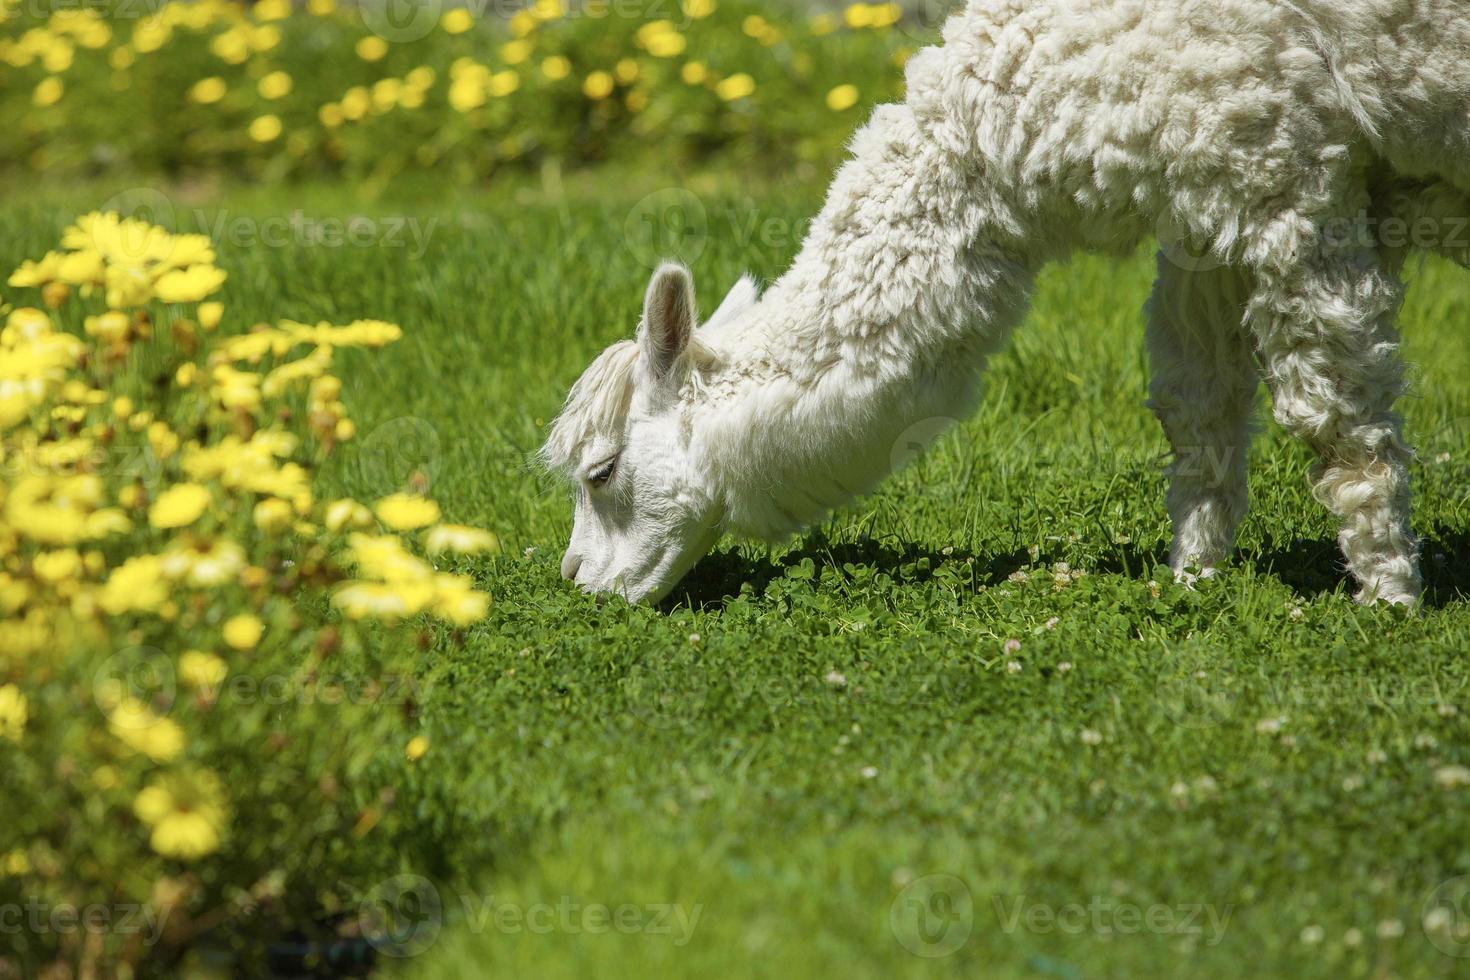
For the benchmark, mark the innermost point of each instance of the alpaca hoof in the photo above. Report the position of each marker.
(1392, 595)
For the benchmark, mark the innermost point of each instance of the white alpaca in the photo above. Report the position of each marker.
(1275, 135)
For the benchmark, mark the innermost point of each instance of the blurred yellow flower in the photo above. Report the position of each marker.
(330, 115)
(57, 566)
(556, 67)
(136, 725)
(626, 70)
(321, 8)
(186, 811)
(371, 48)
(598, 85)
(347, 514)
(179, 506)
(14, 712)
(842, 97)
(273, 515)
(515, 52)
(416, 748)
(209, 314)
(461, 539)
(699, 9)
(275, 85)
(267, 10)
(694, 73)
(823, 24)
(503, 83)
(201, 671)
(737, 86)
(196, 282)
(263, 129)
(661, 39)
(457, 21)
(243, 632)
(404, 512)
(48, 92)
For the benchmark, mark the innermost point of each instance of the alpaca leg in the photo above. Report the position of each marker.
(1415, 214)
(1203, 390)
(1325, 327)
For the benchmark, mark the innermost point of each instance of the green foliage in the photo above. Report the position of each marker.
(212, 86)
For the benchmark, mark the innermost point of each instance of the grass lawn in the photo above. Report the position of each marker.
(825, 760)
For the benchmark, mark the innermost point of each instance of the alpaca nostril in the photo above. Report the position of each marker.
(571, 563)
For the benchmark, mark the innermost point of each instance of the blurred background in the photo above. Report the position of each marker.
(460, 93)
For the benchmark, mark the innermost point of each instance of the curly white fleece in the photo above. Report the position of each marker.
(1265, 140)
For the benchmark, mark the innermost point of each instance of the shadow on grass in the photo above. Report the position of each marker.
(720, 577)
(1310, 567)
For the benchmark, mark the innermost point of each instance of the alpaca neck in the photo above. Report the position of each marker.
(879, 331)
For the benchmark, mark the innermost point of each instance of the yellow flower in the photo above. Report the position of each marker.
(265, 128)
(208, 91)
(138, 584)
(110, 327)
(627, 71)
(503, 83)
(373, 600)
(201, 671)
(737, 86)
(243, 632)
(699, 9)
(273, 516)
(457, 602)
(403, 512)
(209, 314)
(661, 39)
(417, 746)
(372, 48)
(346, 513)
(457, 21)
(598, 85)
(179, 506)
(515, 52)
(57, 566)
(13, 712)
(196, 282)
(694, 73)
(275, 85)
(134, 724)
(268, 10)
(48, 92)
(842, 97)
(186, 811)
(461, 539)
(556, 67)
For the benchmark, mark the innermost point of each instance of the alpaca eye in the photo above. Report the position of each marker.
(600, 476)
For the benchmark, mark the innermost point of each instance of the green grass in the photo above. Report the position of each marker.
(706, 756)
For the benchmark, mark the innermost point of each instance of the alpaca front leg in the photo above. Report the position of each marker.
(1328, 338)
(1202, 389)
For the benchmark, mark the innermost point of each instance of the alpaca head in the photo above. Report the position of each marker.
(645, 510)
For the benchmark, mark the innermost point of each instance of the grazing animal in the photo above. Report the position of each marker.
(1280, 140)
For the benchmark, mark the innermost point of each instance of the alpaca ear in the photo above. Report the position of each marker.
(668, 317)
